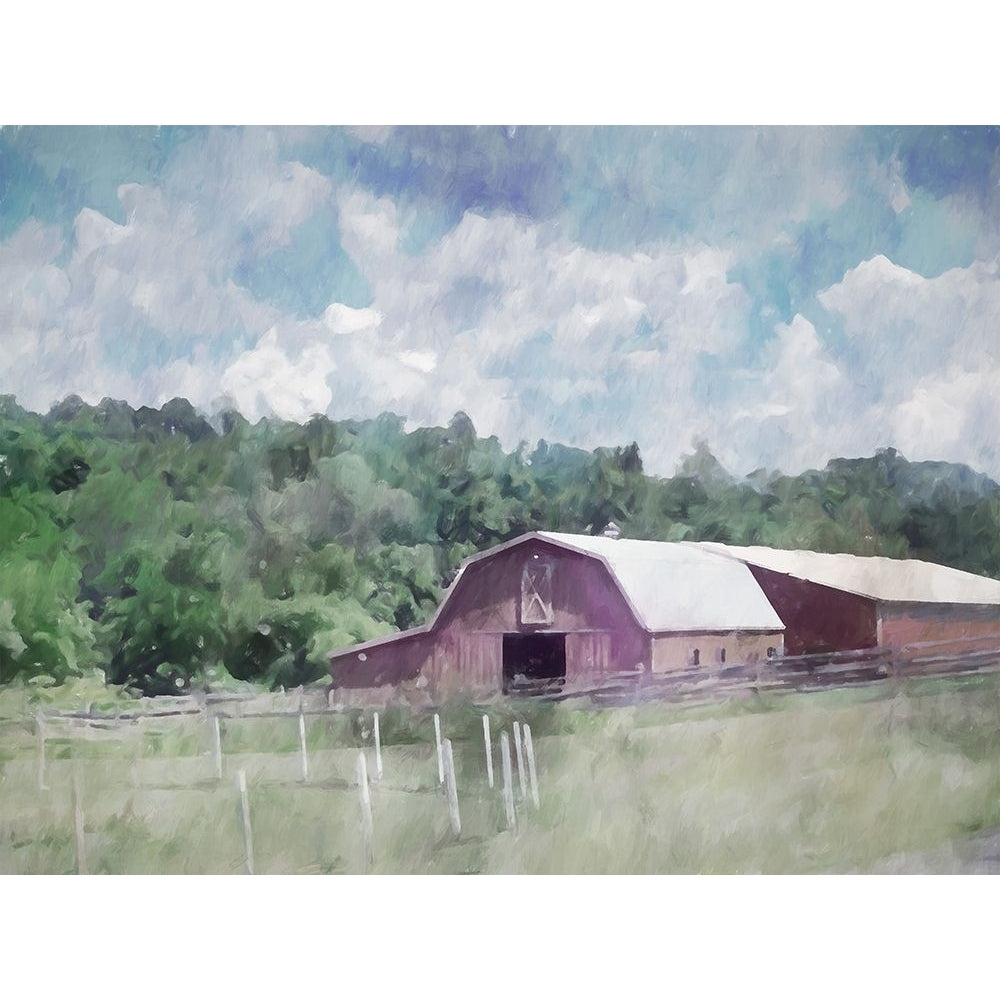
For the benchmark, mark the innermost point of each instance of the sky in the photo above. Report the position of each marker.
(783, 294)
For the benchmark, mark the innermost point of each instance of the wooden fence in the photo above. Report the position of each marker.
(790, 673)
(371, 771)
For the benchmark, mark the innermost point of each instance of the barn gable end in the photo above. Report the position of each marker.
(569, 609)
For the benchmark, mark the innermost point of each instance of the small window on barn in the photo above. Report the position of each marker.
(722, 654)
(695, 658)
(536, 592)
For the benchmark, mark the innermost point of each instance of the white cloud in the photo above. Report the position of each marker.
(135, 306)
(421, 361)
(266, 380)
(241, 190)
(93, 231)
(800, 388)
(345, 319)
(924, 354)
(529, 329)
(506, 318)
(905, 326)
(956, 413)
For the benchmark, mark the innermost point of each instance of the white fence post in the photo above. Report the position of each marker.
(529, 749)
(81, 840)
(440, 753)
(40, 730)
(134, 766)
(489, 749)
(241, 784)
(367, 823)
(217, 746)
(520, 760)
(302, 745)
(451, 788)
(508, 782)
(378, 748)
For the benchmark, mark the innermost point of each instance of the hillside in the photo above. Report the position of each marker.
(167, 547)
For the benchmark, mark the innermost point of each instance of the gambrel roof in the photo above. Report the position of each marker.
(672, 587)
(877, 577)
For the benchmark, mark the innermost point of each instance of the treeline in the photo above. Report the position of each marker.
(167, 549)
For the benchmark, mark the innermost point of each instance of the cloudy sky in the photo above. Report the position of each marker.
(784, 294)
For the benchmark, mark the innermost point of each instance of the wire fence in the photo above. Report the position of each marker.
(440, 778)
(213, 750)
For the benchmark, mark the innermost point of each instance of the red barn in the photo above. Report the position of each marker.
(842, 602)
(569, 609)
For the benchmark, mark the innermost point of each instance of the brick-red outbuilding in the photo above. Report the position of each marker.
(571, 609)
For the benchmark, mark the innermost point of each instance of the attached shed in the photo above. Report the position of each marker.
(569, 609)
(842, 602)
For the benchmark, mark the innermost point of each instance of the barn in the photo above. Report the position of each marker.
(832, 602)
(564, 610)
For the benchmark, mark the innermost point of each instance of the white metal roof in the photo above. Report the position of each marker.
(878, 577)
(677, 587)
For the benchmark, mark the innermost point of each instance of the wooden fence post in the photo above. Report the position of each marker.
(529, 749)
(508, 782)
(302, 745)
(378, 749)
(241, 784)
(217, 747)
(520, 760)
(489, 749)
(134, 767)
(367, 823)
(81, 840)
(40, 731)
(451, 788)
(440, 753)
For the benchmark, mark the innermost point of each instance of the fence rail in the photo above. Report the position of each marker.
(799, 673)
(787, 673)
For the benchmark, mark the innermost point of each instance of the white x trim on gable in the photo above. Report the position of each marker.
(536, 593)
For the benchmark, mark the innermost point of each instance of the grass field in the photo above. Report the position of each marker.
(869, 779)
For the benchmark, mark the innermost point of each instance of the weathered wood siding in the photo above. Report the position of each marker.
(601, 632)
(394, 661)
(818, 619)
(590, 653)
(464, 650)
(470, 662)
(962, 627)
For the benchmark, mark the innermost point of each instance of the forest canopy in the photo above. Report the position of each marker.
(169, 549)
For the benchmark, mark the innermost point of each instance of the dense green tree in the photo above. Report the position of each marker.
(164, 546)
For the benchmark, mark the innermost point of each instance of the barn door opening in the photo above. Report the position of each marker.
(533, 664)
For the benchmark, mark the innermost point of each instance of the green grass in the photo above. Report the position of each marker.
(836, 781)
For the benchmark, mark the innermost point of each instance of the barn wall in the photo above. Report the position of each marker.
(469, 662)
(818, 619)
(956, 627)
(602, 634)
(464, 652)
(674, 652)
(392, 662)
(590, 654)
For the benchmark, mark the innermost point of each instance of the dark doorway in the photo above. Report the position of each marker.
(534, 664)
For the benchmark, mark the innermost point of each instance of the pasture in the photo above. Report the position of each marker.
(886, 777)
